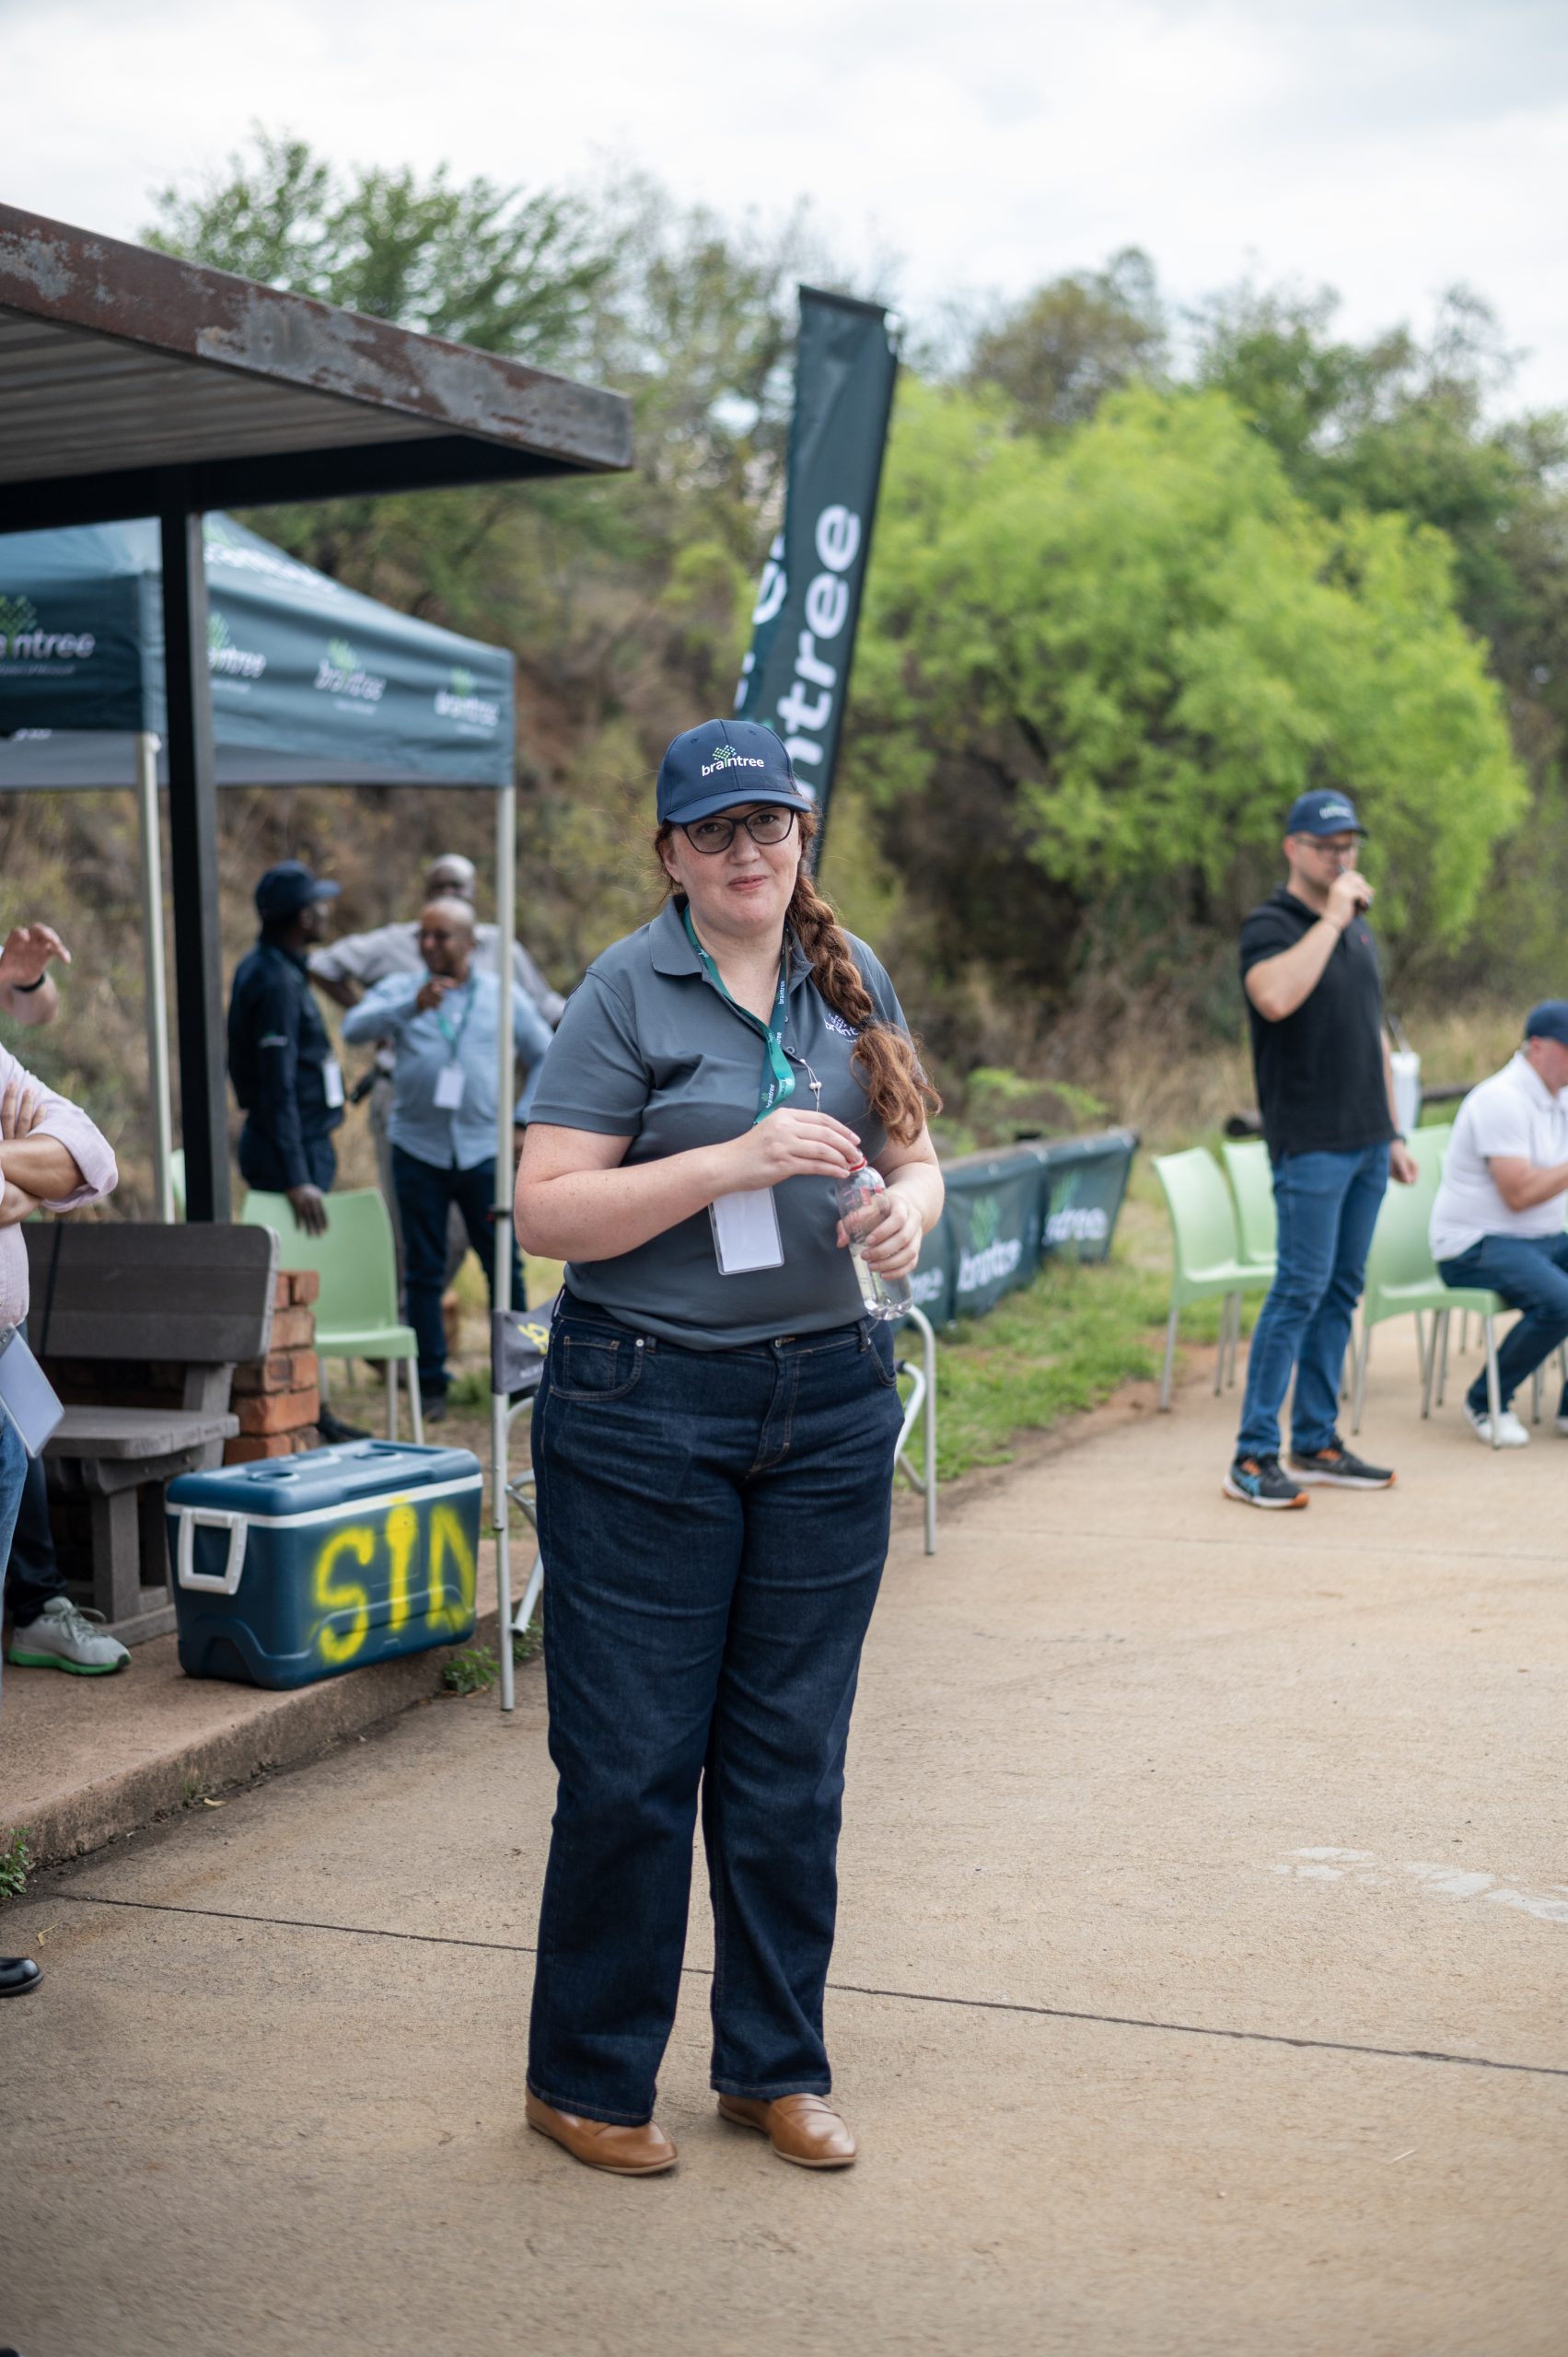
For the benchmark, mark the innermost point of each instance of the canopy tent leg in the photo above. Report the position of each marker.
(501, 1297)
(194, 858)
(153, 967)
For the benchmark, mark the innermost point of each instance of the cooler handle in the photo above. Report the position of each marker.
(218, 1583)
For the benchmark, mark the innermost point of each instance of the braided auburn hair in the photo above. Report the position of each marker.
(887, 1060)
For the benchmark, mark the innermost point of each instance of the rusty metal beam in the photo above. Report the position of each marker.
(131, 298)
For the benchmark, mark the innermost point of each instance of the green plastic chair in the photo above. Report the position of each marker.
(1206, 1254)
(356, 1314)
(1403, 1282)
(1250, 1173)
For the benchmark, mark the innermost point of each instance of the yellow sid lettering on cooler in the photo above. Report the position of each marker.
(448, 1536)
(336, 1597)
(402, 1532)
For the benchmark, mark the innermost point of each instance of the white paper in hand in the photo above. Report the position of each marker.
(746, 1232)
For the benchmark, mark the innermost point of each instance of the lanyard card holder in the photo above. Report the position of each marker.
(27, 1395)
(746, 1232)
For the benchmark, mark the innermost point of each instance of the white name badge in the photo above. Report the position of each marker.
(450, 1083)
(746, 1232)
(333, 1083)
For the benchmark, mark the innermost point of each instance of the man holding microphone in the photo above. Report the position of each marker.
(1326, 1087)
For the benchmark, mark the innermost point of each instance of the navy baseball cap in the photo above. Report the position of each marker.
(1323, 813)
(722, 762)
(287, 888)
(1548, 1021)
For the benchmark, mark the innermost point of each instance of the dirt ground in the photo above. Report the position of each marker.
(1198, 1992)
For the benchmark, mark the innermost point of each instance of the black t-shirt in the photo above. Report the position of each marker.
(1320, 1082)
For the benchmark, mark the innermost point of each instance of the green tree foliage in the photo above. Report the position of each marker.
(1127, 652)
(1059, 354)
(477, 263)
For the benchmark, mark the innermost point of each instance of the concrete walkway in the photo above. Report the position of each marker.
(1200, 1985)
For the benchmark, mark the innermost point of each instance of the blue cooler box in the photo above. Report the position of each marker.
(302, 1566)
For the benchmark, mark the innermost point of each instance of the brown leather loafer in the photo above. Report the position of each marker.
(602, 2144)
(802, 2129)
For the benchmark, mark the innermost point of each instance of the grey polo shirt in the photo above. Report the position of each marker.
(649, 1049)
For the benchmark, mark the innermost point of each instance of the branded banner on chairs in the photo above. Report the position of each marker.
(796, 675)
(1057, 1199)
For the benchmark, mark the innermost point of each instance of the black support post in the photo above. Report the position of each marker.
(194, 858)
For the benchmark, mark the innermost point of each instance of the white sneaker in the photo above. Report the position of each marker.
(63, 1637)
(1511, 1433)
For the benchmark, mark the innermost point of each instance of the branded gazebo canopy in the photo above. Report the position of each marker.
(311, 683)
(136, 385)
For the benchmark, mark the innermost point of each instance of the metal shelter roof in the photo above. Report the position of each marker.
(134, 383)
(131, 381)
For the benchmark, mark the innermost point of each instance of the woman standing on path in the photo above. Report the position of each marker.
(713, 1446)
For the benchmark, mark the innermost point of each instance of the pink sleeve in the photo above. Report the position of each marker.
(87, 1146)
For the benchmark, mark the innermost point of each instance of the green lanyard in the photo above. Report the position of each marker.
(454, 1038)
(778, 1079)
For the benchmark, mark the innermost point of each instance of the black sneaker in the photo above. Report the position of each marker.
(433, 1407)
(1258, 1482)
(1336, 1468)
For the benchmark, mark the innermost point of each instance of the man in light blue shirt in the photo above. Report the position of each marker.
(443, 1026)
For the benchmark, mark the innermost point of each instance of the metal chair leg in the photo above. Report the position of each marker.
(1535, 1397)
(1493, 1389)
(1443, 1361)
(1225, 1340)
(1429, 1370)
(416, 1404)
(1170, 1356)
(392, 1399)
(1359, 1386)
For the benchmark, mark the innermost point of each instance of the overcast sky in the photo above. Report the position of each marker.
(1386, 147)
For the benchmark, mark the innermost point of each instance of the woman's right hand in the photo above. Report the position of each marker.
(790, 1143)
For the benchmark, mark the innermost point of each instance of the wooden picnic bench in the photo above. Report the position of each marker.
(141, 1328)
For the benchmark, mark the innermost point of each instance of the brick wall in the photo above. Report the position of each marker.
(277, 1398)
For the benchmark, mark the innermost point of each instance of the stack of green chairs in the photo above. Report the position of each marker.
(356, 1313)
(1207, 1255)
(1403, 1282)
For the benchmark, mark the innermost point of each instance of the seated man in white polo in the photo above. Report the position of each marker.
(1498, 1218)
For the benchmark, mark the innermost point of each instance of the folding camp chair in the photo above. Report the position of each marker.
(1207, 1256)
(519, 1340)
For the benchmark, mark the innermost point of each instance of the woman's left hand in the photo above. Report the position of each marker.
(893, 1246)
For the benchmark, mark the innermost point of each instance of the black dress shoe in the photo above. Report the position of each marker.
(333, 1430)
(17, 1975)
(432, 1407)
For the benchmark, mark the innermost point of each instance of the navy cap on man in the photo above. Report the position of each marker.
(722, 762)
(287, 888)
(1323, 813)
(1548, 1021)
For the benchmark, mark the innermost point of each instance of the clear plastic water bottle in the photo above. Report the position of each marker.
(860, 1212)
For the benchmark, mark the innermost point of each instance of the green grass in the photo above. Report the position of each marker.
(16, 1863)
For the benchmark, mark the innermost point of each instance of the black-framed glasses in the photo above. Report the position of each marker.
(711, 836)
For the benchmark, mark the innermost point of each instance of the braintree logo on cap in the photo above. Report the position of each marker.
(1335, 810)
(726, 758)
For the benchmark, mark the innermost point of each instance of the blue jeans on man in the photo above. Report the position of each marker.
(426, 1193)
(1326, 1207)
(13, 1479)
(1531, 1274)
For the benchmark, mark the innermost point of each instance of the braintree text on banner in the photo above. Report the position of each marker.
(796, 674)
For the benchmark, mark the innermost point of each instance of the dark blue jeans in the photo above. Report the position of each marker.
(714, 1526)
(425, 1196)
(1531, 1272)
(1326, 1208)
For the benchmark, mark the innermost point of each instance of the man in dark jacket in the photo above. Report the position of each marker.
(285, 1077)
